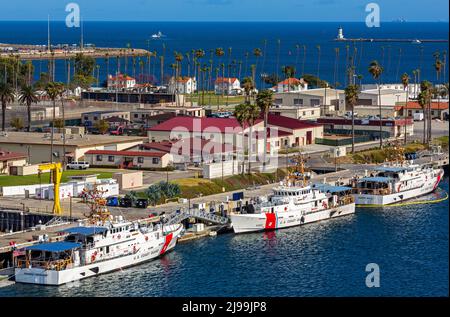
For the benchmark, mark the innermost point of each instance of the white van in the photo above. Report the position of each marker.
(78, 165)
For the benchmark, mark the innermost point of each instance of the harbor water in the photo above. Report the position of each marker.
(409, 244)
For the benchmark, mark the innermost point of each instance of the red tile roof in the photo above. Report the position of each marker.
(196, 145)
(183, 79)
(289, 123)
(414, 105)
(7, 155)
(196, 124)
(121, 77)
(292, 81)
(125, 153)
(230, 80)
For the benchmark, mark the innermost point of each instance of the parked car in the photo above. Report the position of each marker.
(78, 165)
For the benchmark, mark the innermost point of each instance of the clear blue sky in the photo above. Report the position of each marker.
(226, 10)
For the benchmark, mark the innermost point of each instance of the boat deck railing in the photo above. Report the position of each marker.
(54, 265)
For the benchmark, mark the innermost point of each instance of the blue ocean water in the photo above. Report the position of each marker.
(243, 37)
(409, 243)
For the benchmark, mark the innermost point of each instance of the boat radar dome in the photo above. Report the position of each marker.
(340, 34)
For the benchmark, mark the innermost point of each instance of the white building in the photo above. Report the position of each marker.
(182, 85)
(226, 85)
(389, 97)
(120, 82)
(413, 89)
(292, 85)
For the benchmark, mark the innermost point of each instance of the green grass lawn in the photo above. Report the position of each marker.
(191, 187)
(9, 180)
(214, 100)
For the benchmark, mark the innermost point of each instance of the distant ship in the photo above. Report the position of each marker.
(158, 35)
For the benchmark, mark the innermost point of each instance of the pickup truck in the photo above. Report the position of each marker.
(78, 165)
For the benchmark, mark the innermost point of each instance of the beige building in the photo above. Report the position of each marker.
(90, 118)
(306, 113)
(367, 111)
(395, 127)
(10, 160)
(128, 159)
(39, 145)
(308, 101)
(141, 115)
(292, 132)
(389, 97)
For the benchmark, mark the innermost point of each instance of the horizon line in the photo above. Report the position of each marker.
(228, 21)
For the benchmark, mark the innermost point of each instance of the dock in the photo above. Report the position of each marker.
(9, 241)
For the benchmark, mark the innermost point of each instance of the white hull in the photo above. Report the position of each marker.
(145, 251)
(243, 223)
(429, 186)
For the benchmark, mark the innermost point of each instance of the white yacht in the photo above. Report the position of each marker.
(157, 35)
(93, 249)
(393, 184)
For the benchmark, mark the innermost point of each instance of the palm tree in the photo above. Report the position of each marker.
(347, 62)
(248, 85)
(53, 90)
(179, 58)
(241, 114)
(62, 89)
(6, 96)
(264, 101)
(28, 96)
(297, 53)
(405, 82)
(278, 56)
(318, 60)
(424, 99)
(336, 66)
(253, 114)
(351, 99)
(376, 70)
(304, 60)
(264, 60)
(444, 62)
(289, 72)
(257, 53)
(220, 53)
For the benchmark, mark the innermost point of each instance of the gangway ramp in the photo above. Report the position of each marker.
(198, 214)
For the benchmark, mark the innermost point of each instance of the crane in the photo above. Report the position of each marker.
(56, 173)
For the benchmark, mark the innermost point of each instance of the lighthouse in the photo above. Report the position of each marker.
(340, 35)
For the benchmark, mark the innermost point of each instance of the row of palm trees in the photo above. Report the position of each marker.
(250, 111)
(27, 95)
(424, 97)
